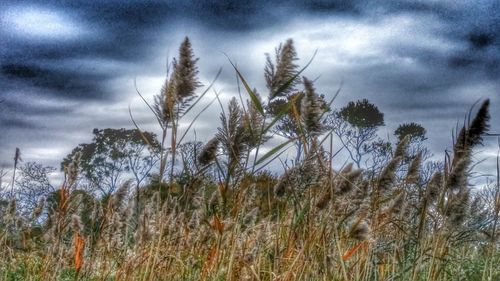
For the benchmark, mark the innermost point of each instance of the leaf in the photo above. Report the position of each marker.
(144, 138)
(147, 103)
(253, 96)
(269, 161)
(329, 104)
(273, 151)
(194, 119)
(218, 225)
(79, 247)
(300, 217)
(209, 261)
(353, 250)
(204, 93)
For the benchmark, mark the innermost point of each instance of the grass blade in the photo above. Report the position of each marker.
(273, 151)
(284, 110)
(252, 95)
(203, 94)
(195, 118)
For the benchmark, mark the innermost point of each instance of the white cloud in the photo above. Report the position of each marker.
(41, 23)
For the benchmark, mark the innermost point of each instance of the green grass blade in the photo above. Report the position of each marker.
(252, 95)
(204, 93)
(271, 160)
(329, 104)
(149, 105)
(195, 118)
(273, 151)
(139, 129)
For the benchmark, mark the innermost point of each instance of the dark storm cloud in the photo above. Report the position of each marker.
(481, 40)
(10, 107)
(119, 31)
(8, 122)
(63, 82)
(131, 30)
(21, 71)
(122, 32)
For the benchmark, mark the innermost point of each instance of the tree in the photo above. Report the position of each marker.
(416, 136)
(415, 132)
(112, 153)
(33, 185)
(141, 150)
(362, 114)
(3, 174)
(356, 125)
(380, 155)
(187, 153)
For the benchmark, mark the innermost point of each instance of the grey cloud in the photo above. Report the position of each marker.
(68, 83)
(482, 40)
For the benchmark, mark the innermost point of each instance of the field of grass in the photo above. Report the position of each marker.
(222, 214)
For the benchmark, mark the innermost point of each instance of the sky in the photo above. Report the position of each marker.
(67, 67)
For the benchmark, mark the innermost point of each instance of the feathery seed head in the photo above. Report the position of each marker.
(185, 72)
(348, 168)
(479, 125)
(470, 136)
(434, 186)
(311, 109)
(413, 170)
(387, 176)
(117, 199)
(398, 203)
(457, 208)
(76, 223)
(179, 89)
(360, 230)
(97, 211)
(37, 211)
(400, 150)
(458, 177)
(279, 74)
(194, 222)
(251, 217)
(347, 180)
(209, 152)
